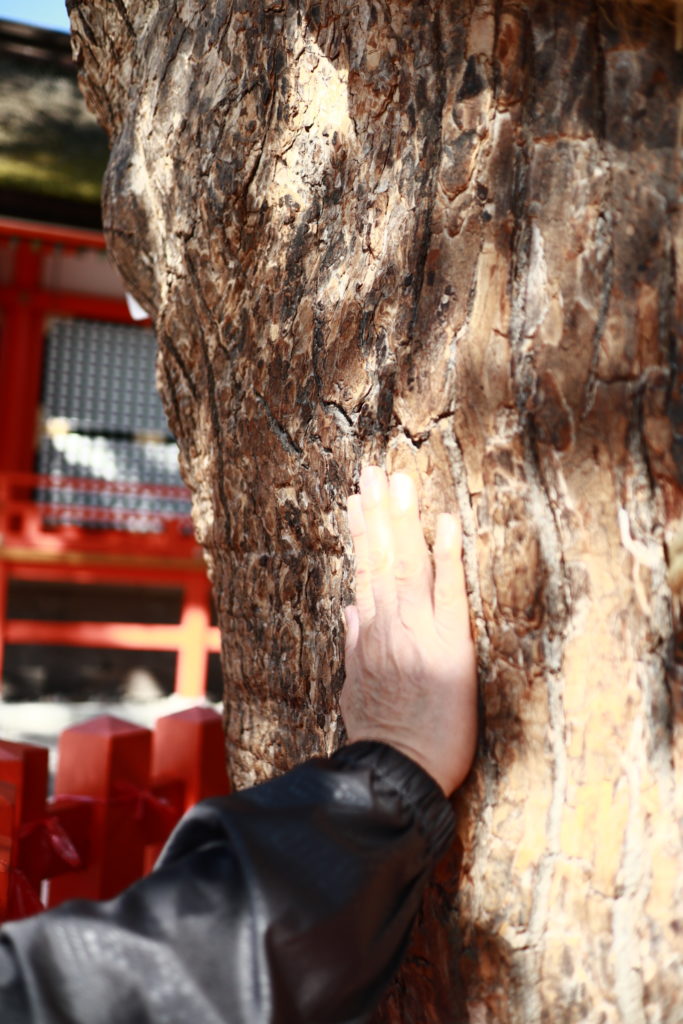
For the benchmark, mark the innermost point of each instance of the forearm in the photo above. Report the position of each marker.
(290, 902)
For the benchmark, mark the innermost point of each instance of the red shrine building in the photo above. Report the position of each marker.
(97, 554)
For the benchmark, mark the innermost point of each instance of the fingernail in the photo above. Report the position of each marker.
(402, 491)
(446, 532)
(372, 482)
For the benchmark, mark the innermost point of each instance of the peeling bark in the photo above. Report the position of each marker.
(445, 236)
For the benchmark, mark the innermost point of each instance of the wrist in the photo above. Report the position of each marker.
(402, 744)
(414, 787)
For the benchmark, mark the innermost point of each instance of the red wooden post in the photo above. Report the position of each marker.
(68, 844)
(193, 650)
(23, 772)
(107, 761)
(189, 746)
(20, 361)
(24, 766)
(4, 582)
(7, 847)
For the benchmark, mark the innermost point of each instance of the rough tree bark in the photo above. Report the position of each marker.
(446, 236)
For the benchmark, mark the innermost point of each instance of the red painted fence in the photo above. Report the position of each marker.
(119, 790)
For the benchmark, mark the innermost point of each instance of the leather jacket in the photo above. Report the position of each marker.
(286, 903)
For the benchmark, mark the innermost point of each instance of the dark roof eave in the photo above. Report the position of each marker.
(39, 44)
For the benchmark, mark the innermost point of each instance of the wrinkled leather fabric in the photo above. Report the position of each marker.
(289, 902)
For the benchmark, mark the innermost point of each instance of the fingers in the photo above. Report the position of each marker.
(412, 563)
(365, 602)
(374, 494)
(450, 594)
(393, 566)
(352, 623)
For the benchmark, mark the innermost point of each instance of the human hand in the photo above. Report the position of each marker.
(410, 660)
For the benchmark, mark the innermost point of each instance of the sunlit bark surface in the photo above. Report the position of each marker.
(445, 236)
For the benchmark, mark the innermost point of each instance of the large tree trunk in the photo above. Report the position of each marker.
(447, 237)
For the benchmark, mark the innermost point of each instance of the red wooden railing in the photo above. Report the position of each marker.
(53, 515)
(119, 790)
(52, 539)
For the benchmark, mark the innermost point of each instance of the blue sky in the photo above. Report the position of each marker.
(44, 13)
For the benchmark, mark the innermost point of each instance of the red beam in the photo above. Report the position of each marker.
(132, 636)
(70, 303)
(54, 234)
(157, 558)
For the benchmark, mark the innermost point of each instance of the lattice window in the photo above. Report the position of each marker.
(103, 421)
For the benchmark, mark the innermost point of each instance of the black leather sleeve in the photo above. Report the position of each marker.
(287, 903)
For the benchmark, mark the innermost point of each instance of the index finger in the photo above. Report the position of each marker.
(413, 566)
(365, 602)
(374, 494)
